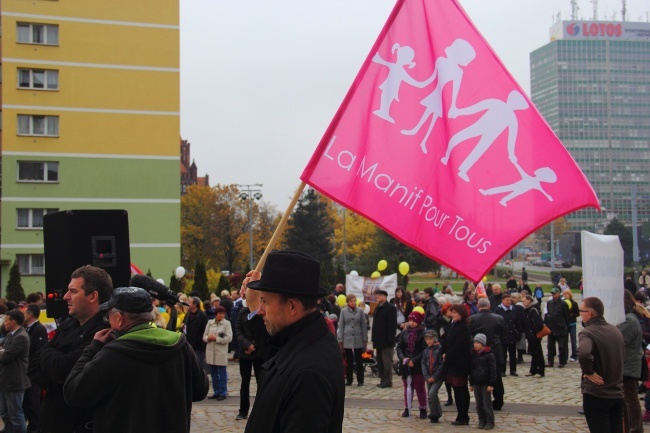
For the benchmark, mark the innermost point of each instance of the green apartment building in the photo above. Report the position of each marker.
(90, 120)
(592, 85)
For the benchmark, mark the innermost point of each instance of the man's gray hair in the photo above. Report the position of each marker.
(483, 303)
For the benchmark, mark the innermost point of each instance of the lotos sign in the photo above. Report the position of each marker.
(595, 29)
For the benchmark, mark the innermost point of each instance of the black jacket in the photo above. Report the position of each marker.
(414, 355)
(494, 328)
(252, 332)
(557, 317)
(37, 337)
(49, 368)
(484, 368)
(13, 361)
(431, 309)
(533, 322)
(194, 327)
(432, 363)
(457, 349)
(383, 326)
(512, 320)
(303, 387)
(145, 381)
(495, 301)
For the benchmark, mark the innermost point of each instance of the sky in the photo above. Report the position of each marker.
(262, 80)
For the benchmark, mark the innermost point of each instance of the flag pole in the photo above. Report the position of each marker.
(253, 296)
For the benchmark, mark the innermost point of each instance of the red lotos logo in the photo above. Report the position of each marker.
(597, 29)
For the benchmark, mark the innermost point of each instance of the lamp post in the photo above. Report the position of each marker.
(249, 194)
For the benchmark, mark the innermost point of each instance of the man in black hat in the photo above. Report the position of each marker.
(303, 387)
(135, 376)
(383, 338)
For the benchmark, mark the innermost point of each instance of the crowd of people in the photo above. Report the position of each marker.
(302, 343)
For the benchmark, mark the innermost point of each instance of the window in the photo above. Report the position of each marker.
(31, 218)
(43, 34)
(31, 264)
(30, 171)
(38, 79)
(38, 125)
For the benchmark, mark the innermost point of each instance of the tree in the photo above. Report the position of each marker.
(231, 220)
(617, 228)
(149, 274)
(310, 231)
(15, 291)
(560, 226)
(360, 235)
(198, 224)
(175, 284)
(201, 280)
(224, 284)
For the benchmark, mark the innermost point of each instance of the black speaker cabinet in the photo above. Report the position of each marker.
(75, 238)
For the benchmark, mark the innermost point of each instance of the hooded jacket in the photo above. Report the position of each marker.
(145, 381)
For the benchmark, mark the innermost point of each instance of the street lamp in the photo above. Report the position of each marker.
(250, 194)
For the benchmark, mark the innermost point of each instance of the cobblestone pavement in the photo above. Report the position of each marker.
(546, 405)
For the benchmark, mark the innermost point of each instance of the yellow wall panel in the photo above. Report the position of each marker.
(147, 11)
(97, 88)
(126, 134)
(98, 44)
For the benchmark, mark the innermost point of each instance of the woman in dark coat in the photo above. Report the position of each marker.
(457, 352)
(533, 323)
(404, 305)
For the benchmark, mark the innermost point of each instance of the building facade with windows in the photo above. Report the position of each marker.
(592, 84)
(90, 120)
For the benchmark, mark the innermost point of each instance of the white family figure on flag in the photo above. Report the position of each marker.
(527, 183)
(447, 70)
(498, 117)
(396, 75)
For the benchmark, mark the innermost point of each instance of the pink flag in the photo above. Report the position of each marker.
(437, 144)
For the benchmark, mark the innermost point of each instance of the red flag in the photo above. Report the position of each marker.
(437, 144)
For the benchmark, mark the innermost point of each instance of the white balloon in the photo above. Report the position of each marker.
(161, 281)
(180, 272)
(354, 274)
(366, 309)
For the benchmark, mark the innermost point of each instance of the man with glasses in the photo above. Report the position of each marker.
(136, 377)
(600, 353)
(49, 367)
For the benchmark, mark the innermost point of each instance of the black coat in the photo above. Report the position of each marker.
(37, 337)
(494, 328)
(303, 387)
(49, 368)
(457, 349)
(383, 326)
(414, 355)
(13, 361)
(252, 332)
(513, 324)
(533, 322)
(194, 327)
(118, 379)
(484, 368)
(557, 317)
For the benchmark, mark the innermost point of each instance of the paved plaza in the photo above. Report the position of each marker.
(548, 404)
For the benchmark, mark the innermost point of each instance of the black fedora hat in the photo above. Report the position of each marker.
(290, 273)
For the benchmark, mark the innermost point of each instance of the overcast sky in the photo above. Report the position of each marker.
(261, 80)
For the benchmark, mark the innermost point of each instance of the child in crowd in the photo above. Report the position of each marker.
(410, 345)
(433, 372)
(482, 378)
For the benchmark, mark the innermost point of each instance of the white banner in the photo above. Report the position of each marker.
(602, 273)
(366, 288)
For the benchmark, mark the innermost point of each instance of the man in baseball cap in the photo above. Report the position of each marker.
(116, 372)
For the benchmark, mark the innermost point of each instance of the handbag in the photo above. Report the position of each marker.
(543, 332)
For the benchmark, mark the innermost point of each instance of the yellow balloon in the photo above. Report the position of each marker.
(375, 274)
(340, 301)
(419, 309)
(382, 265)
(403, 268)
(485, 279)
